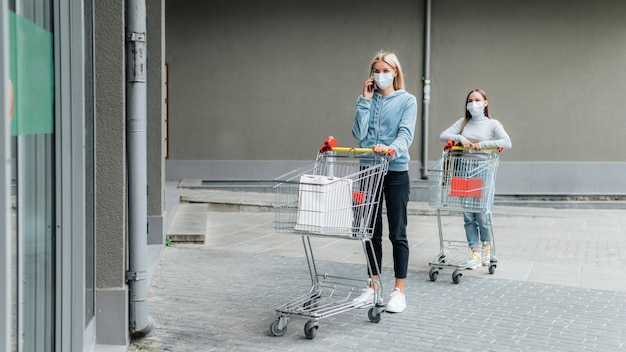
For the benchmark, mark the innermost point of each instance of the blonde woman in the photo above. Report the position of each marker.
(385, 119)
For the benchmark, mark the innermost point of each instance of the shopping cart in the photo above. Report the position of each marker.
(336, 196)
(462, 180)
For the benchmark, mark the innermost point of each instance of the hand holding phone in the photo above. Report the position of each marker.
(370, 86)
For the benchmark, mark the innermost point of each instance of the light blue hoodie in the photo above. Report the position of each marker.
(388, 120)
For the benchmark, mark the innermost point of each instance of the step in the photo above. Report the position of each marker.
(189, 224)
(229, 201)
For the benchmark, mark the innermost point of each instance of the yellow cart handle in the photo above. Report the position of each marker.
(390, 152)
(330, 144)
(463, 148)
(451, 146)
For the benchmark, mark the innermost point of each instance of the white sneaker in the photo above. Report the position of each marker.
(486, 254)
(475, 261)
(366, 298)
(397, 302)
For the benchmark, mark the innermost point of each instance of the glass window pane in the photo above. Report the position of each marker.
(32, 74)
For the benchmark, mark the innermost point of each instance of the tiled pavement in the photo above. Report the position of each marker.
(560, 285)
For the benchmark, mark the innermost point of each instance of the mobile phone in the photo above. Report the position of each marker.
(372, 85)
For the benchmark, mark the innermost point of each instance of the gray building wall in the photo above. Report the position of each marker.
(156, 114)
(270, 80)
(553, 71)
(111, 170)
(263, 83)
(111, 193)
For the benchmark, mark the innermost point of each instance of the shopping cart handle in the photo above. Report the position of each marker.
(390, 152)
(451, 145)
(330, 144)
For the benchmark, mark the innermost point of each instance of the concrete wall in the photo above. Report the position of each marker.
(156, 114)
(111, 170)
(271, 79)
(553, 71)
(268, 81)
(111, 195)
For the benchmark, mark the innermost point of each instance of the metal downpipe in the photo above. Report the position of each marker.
(140, 323)
(426, 88)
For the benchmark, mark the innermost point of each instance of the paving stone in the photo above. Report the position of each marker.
(556, 288)
(204, 300)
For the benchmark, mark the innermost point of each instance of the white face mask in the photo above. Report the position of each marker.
(383, 80)
(476, 108)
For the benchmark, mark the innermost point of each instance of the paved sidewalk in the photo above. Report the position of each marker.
(559, 286)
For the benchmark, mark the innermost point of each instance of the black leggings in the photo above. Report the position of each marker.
(396, 190)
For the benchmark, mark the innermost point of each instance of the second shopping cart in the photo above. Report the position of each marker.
(462, 180)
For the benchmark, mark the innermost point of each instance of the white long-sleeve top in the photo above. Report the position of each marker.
(487, 132)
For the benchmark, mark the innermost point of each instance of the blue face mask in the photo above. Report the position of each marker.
(476, 108)
(383, 80)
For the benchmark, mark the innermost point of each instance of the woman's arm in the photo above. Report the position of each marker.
(453, 133)
(500, 139)
(361, 118)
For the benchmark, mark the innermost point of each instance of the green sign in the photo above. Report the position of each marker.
(32, 75)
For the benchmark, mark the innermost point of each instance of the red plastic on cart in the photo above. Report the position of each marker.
(358, 197)
(466, 187)
(329, 144)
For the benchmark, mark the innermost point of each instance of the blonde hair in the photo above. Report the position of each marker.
(392, 60)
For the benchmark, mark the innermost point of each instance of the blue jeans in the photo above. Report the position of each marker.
(477, 228)
(477, 225)
(396, 190)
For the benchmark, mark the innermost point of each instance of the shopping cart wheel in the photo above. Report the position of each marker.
(374, 315)
(492, 268)
(278, 328)
(433, 273)
(310, 329)
(456, 276)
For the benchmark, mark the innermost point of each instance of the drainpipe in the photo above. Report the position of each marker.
(140, 323)
(426, 81)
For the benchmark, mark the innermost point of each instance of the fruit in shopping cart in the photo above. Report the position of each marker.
(433, 273)
(310, 329)
(456, 276)
(276, 329)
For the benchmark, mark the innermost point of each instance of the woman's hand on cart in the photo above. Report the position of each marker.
(381, 149)
(469, 145)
